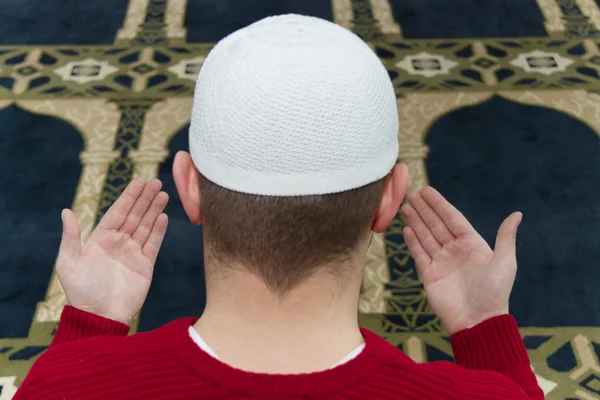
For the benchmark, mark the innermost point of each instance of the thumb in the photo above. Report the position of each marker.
(70, 245)
(507, 234)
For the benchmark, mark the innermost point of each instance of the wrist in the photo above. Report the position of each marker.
(455, 326)
(116, 317)
(480, 318)
(106, 314)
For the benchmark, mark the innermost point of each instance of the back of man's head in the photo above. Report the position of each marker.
(294, 126)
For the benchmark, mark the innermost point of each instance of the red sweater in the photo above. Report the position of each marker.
(92, 358)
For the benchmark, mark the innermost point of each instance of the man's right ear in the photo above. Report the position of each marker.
(187, 181)
(394, 190)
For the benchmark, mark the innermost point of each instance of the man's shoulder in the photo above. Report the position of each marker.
(72, 368)
(87, 352)
(430, 379)
(441, 379)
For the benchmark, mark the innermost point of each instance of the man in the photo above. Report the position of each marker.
(293, 147)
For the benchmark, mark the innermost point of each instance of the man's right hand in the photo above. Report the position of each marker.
(465, 281)
(110, 276)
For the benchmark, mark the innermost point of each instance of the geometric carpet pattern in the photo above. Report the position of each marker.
(119, 108)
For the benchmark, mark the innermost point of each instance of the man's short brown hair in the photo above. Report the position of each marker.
(284, 240)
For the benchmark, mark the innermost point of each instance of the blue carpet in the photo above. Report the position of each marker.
(40, 172)
(31, 22)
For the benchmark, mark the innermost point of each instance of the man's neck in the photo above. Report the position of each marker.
(309, 329)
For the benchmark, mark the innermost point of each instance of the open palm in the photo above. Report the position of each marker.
(110, 276)
(465, 281)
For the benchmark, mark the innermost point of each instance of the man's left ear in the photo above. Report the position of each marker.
(394, 190)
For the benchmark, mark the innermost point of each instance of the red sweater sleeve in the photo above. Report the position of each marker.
(76, 324)
(496, 345)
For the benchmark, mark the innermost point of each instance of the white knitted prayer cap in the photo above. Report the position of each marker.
(293, 105)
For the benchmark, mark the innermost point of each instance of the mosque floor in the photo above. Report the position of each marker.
(499, 109)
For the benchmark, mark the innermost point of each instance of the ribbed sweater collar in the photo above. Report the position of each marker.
(177, 337)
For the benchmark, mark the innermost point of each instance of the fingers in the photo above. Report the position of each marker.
(152, 246)
(433, 221)
(141, 206)
(419, 254)
(143, 231)
(505, 248)
(118, 212)
(453, 219)
(70, 245)
(423, 234)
